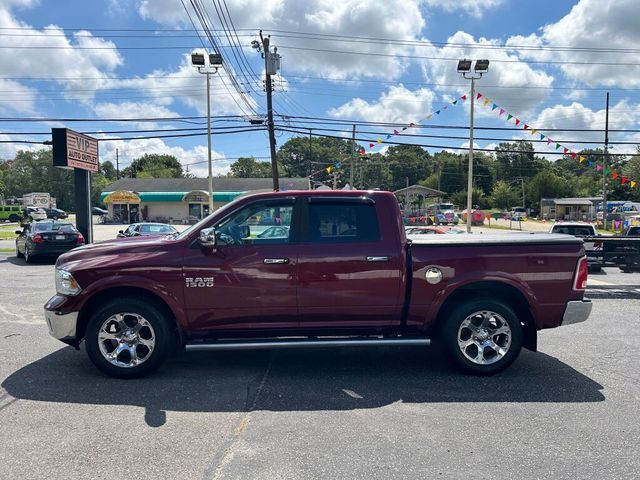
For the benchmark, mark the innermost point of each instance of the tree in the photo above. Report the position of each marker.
(153, 165)
(249, 167)
(632, 171)
(477, 198)
(503, 196)
(407, 163)
(108, 170)
(546, 184)
(301, 156)
(517, 160)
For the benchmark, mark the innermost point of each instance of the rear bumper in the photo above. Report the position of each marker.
(44, 249)
(577, 311)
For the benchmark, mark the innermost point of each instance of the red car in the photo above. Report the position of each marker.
(425, 230)
(343, 274)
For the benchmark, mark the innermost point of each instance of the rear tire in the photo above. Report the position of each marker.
(18, 254)
(28, 256)
(482, 336)
(14, 218)
(128, 338)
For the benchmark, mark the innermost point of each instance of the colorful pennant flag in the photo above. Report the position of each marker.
(598, 167)
(494, 106)
(478, 96)
(633, 184)
(582, 159)
(502, 110)
(509, 117)
(517, 121)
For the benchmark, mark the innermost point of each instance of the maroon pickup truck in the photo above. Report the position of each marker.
(315, 269)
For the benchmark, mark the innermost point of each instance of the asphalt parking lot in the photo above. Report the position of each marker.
(568, 411)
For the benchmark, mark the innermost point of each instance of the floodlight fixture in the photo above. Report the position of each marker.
(464, 65)
(197, 59)
(482, 66)
(215, 60)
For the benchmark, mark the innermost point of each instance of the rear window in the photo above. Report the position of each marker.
(55, 227)
(575, 230)
(343, 223)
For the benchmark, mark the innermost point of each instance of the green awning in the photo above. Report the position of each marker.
(178, 196)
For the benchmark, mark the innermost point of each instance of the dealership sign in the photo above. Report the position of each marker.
(74, 150)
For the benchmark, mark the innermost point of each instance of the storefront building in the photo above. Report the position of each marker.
(180, 200)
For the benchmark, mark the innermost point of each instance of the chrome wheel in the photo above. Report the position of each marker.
(484, 337)
(126, 340)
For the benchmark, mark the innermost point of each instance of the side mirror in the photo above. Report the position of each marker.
(207, 237)
(18, 232)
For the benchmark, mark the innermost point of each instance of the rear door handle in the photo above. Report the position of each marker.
(377, 259)
(275, 261)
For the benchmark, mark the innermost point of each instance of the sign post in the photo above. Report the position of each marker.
(73, 150)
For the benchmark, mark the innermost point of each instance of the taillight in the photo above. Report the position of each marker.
(580, 280)
(80, 239)
(597, 244)
(37, 238)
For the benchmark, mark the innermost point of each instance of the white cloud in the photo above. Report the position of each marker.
(49, 53)
(185, 85)
(475, 8)
(622, 115)
(587, 34)
(514, 85)
(359, 18)
(397, 105)
(16, 97)
(194, 158)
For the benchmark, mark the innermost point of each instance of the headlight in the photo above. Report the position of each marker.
(66, 284)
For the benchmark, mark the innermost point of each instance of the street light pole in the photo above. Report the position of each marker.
(470, 173)
(209, 143)
(215, 62)
(464, 67)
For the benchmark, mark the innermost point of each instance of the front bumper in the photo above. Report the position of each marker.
(62, 325)
(577, 311)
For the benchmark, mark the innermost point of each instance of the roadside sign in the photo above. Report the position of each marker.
(74, 150)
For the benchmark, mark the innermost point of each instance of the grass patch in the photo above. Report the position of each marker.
(7, 235)
(7, 250)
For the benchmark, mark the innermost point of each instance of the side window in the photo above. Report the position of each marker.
(257, 223)
(343, 223)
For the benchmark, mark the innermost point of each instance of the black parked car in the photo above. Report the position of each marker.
(146, 230)
(46, 238)
(56, 213)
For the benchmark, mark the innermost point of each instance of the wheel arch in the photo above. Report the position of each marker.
(500, 291)
(138, 293)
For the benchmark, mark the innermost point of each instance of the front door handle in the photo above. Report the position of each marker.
(275, 261)
(378, 259)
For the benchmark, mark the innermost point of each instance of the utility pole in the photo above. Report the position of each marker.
(117, 166)
(271, 66)
(353, 154)
(523, 201)
(604, 166)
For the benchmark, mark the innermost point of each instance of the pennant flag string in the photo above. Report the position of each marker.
(373, 143)
(566, 151)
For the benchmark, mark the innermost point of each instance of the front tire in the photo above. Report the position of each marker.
(128, 338)
(482, 336)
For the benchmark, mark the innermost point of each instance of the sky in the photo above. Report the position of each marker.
(125, 65)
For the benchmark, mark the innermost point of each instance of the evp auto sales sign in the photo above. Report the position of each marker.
(74, 150)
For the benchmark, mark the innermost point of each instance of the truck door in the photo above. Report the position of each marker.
(248, 281)
(350, 271)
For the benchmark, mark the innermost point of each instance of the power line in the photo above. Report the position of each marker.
(445, 147)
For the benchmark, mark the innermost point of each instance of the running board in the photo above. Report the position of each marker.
(304, 343)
